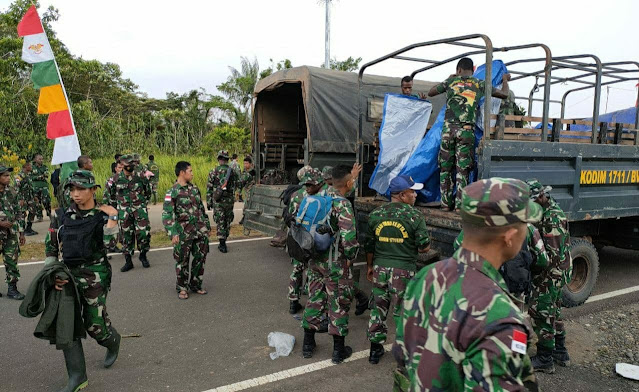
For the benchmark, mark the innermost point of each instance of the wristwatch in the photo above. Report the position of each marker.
(114, 217)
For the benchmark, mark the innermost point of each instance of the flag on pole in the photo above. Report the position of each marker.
(53, 99)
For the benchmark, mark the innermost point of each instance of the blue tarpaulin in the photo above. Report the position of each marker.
(422, 165)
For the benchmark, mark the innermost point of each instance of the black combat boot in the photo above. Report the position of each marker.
(323, 328)
(76, 368)
(112, 345)
(128, 264)
(29, 230)
(295, 307)
(340, 352)
(144, 260)
(222, 246)
(542, 361)
(560, 353)
(309, 343)
(362, 303)
(13, 292)
(377, 350)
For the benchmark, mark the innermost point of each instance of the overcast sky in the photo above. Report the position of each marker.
(182, 45)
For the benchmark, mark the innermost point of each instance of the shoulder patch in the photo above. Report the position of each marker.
(167, 197)
(518, 344)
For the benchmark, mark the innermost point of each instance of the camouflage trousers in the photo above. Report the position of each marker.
(389, 286)
(296, 280)
(10, 251)
(223, 217)
(135, 225)
(330, 286)
(545, 307)
(31, 210)
(456, 154)
(93, 282)
(189, 270)
(44, 200)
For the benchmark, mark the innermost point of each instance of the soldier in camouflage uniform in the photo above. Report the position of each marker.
(330, 273)
(396, 234)
(155, 179)
(106, 199)
(187, 224)
(545, 303)
(222, 182)
(247, 178)
(28, 201)
(91, 271)
(40, 177)
(509, 107)
(130, 194)
(11, 232)
(460, 328)
(457, 152)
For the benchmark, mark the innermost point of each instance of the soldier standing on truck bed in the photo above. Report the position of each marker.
(460, 328)
(396, 234)
(457, 152)
(545, 306)
(407, 88)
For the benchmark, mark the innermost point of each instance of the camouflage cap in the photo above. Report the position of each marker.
(223, 154)
(327, 173)
(301, 172)
(536, 189)
(136, 158)
(498, 202)
(81, 178)
(127, 159)
(312, 177)
(5, 169)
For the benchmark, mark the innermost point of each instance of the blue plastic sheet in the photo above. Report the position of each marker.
(422, 165)
(404, 123)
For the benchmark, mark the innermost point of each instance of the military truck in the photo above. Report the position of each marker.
(594, 172)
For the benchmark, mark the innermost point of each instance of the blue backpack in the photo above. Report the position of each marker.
(313, 215)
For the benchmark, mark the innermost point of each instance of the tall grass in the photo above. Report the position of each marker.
(200, 165)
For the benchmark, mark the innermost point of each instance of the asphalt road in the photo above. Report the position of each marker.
(220, 339)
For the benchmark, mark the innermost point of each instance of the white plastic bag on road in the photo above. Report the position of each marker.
(282, 342)
(628, 371)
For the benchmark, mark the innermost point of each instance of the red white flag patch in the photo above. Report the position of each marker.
(167, 197)
(519, 342)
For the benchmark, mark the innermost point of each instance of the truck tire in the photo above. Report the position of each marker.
(585, 270)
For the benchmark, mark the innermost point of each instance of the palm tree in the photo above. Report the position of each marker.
(239, 86)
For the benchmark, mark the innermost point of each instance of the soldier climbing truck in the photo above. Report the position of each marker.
(319, 117)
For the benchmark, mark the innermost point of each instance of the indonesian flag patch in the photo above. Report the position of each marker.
(519, 342)
(167, 197)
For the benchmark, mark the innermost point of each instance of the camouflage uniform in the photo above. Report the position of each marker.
(459, 323)
(545, 304)
(223, 208)
(9, 238)
(457, 152)
(26, 195)
(130, 195)
(40, 177)
(184, 215)
(93, 277)
(331, 281)
(508, 108)
(155, 180)
(246, 182)
(296, 279)
(395, 262)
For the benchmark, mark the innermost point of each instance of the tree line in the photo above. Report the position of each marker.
(109, 108)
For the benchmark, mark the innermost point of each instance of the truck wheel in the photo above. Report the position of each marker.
(585, 270)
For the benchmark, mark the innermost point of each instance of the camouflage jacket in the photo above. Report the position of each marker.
(10, 211)
(396, 231)
(217, 177)
(342, 221)
(247, 180)
(52, 247)
(535, 246)
(155, 169)
(460, 327)
(129, 193)
(108, 191)
(462, 98)
(40, 176)
(24, 185)
(554, 231)
(184, 213)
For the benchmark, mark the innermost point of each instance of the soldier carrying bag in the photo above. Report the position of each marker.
(219, 191)
(80, 238)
